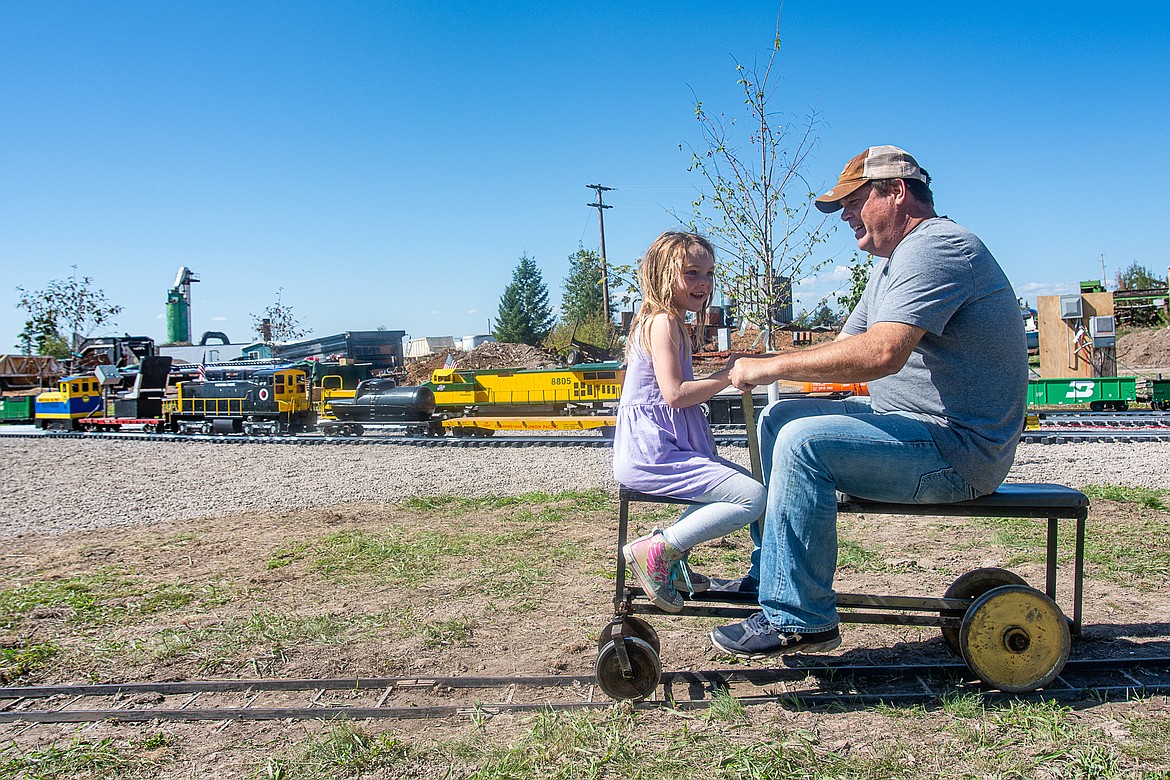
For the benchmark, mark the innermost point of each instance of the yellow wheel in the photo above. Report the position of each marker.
(628, 669)
(972, 585)
(1015, 638)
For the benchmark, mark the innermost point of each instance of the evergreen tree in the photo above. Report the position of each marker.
(583, 299)
(524, 316)
(1138, 277)
(824, 316)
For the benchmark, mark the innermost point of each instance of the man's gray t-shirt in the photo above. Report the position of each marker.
(968, 377)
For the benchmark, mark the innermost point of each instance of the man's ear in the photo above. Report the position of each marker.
(901, 191)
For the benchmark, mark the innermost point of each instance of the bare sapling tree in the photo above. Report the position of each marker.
(62, 315)
(756, 205)
(278, 323)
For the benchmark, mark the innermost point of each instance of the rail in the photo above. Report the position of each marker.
(802, 686)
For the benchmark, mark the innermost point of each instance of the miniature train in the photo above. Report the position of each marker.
(267, 400)
(1112, 393)
(270, 402)
(480, 402)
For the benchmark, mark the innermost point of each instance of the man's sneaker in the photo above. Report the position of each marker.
(757, 638)
(738, 585)
(652, 561)
(688, 580)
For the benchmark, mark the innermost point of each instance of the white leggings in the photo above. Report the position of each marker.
(732, 504)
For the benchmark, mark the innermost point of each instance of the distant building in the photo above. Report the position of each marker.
(204, 353)
(429, 345)
(382, 349)
(471, 342)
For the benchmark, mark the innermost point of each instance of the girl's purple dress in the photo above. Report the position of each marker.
(658, 449)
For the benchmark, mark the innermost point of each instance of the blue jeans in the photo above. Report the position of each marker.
(811, 448)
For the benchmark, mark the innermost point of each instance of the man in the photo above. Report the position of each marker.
(939, 338)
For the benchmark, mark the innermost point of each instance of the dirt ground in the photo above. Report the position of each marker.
(521, 590)
(376, 590)
(1146, 348)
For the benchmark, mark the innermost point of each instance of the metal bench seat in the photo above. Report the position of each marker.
(1012, 637)
(1043, 500)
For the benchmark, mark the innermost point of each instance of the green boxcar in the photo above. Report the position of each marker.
(18, 408)
(1160, 394)
(1115, 392)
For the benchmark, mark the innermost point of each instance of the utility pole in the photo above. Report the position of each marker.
(601, 207)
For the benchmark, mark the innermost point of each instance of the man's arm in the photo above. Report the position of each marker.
(880, 351)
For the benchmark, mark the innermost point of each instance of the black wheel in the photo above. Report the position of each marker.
(629, 626)
(1015, 639)
(972, 585)
(1096, 406)
(637, 681)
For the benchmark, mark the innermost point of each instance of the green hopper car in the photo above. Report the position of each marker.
(1104, 392)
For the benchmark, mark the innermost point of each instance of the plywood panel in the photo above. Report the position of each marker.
(1064, 353)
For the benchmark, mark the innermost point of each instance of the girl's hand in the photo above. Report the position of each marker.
(746, 373)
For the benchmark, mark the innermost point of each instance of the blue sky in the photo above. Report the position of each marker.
(387, 163)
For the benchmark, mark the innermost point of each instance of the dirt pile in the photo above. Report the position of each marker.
(750, 342)
(492, 354)
(505, 355)
(1145, 348)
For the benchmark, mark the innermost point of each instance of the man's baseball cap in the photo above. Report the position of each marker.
(876, 162)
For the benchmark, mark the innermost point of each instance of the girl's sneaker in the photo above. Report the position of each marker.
(651, 558)
(684, 578)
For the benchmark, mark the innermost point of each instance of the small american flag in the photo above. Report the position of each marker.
(201, 374)
(450, 361)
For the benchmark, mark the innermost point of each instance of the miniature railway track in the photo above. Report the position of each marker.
(1055, 428)
(442, 697)
(1107, 419)
(1059, 427)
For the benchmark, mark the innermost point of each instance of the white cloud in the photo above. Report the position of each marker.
(473, 311)
(1033, 290)
(434, 312)
(840, 272)
(219, 318)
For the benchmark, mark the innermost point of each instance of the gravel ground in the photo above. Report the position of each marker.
(62, 485)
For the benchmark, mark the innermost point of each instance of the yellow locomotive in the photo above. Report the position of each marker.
(478, 402)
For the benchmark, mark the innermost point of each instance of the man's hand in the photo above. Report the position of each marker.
(880, 351)
(747, 373)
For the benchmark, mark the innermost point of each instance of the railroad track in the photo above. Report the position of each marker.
(1051, 431)
(558, 440)
(442, 697)
(1106, 419)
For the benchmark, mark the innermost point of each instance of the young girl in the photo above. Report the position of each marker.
(663, 445)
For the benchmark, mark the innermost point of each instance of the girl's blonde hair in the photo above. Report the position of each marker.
(657, 274)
